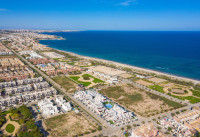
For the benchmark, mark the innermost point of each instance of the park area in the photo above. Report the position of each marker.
(87, 80)
(182, 92)
(18, 122)
(66, 83)
(70, 124)
(139, 101)
(10, 127)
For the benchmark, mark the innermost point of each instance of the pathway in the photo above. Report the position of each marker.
(15, 124)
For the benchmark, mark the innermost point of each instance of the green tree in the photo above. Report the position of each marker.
(30, 125)
(25, 112)
(169, 129)
(128, 127)
(21, 121)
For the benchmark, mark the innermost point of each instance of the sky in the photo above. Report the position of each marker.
(140, 15)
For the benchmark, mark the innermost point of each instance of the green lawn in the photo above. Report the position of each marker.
(10, 128)
(192, 99)
(196, 93)
(75, 78)
(96, 80)
(157, 88)
(197, 88)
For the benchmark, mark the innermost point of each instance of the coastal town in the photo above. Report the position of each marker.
(45, 92)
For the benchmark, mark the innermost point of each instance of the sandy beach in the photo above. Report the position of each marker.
(131, 67)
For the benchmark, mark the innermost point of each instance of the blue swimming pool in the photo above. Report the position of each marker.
(108, 106)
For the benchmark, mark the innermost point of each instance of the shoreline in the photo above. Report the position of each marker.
(172, 76)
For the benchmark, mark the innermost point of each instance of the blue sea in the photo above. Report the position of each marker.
(172, 52)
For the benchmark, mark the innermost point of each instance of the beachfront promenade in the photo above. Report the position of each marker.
(108, 129)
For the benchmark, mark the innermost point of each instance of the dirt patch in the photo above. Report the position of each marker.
(107, 70)
(142, 82)
(125, 75)
(69, 124)
(167, 85)
(157, 80)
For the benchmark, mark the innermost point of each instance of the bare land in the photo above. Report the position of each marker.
(66, 83)
(68, 125)
(139, 101)
(157, 80)
(53, 55)
(125, 75)
(107, 70)
(142, 82)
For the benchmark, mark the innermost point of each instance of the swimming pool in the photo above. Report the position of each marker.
(108, 106)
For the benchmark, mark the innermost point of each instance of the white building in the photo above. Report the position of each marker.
(31, 53)
(96, 102)
(47, 108)
(66, 106)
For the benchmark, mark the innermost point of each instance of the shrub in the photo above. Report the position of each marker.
(172, 114)
(30, 125)
(128, 127)
(94, 130)
(158, 128)
(21, 121)
(183, 110)
(86, 77)
(169, 129)
(99, 128)
(86, 132)
(166, 132)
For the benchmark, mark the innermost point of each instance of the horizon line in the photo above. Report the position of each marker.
(95, 30)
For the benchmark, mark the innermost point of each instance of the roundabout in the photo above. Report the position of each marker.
(10, 128)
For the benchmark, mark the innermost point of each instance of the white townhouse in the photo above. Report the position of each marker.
(66, 106)
(47, 108)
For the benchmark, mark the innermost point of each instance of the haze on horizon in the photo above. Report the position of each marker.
(178, 15)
